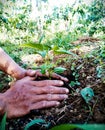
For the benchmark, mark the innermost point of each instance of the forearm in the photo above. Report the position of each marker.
(8, 65)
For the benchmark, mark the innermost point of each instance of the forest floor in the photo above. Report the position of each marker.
(73, 110)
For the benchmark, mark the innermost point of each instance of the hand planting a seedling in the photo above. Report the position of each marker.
(27, 94)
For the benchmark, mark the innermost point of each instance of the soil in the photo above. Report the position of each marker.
(73, 110)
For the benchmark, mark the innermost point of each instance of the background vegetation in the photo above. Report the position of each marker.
(69, 29)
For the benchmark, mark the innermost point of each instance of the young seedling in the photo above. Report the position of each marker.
(43, 49)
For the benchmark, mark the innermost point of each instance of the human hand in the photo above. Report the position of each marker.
(21, 73)
(26, 94)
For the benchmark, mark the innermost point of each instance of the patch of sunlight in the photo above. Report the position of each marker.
(31, 58)
(83, 50)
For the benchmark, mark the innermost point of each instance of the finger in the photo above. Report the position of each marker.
(54, 75)
(29, 78)
(48, 97)
(44, 83)
(30, 72)
(49, 89)
(44, 104)
(35, 73)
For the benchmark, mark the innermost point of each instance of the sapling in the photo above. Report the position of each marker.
(44, 49)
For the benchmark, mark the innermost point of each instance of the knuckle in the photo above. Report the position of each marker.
(27, 106)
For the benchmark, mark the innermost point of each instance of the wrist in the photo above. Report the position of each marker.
(8, 65)
(18, 72)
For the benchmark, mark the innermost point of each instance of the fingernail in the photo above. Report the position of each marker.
(67, 91)
(61, 83)
(57, 103)
(66, 79)
(65, 96)
(32, 72)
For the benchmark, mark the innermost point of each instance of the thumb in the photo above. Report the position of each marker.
(30, 72)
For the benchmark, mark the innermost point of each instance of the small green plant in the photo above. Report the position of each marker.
(43, 50)
(50, 68)
(87, 94)
(75, 75)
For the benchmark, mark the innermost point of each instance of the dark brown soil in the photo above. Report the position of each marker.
(73, 110)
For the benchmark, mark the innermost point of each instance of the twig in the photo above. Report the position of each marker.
(60, 118)
(94, 105)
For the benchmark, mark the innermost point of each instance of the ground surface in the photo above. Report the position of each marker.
(74, 109)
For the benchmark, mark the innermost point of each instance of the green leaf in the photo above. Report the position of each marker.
(79, 127)
(42, 53)
(45, 68)
(59, 70)
(54, 47)
(61, 51)
(34, 122)
(33, 45)
(92, 127)
(87, 93)
(72, 83)
(65, 127)
(3, 122)
(37, 46)
(41, 38)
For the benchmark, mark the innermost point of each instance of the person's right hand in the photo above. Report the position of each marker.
(26, 94)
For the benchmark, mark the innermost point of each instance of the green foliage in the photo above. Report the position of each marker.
(74, 83)
(50, 68)
(87, 94)
(43, 50)
(75, 75)
(3, 123)
(102, 51)
(17, 28)
(46, 68)
(96, 10)
(96, 15)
